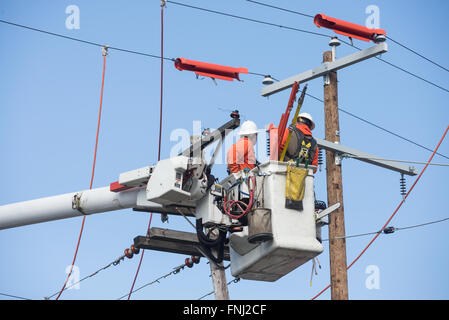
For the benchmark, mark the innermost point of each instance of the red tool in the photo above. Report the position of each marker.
(209, 69)
(347, 28)
(286, 115)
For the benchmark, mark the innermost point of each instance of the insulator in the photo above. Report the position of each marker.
(128, 253)
(389, 230)
(268, 145)
(196, 259)
(188, 262)
(320, 158)
(403, 186)
(320, 205)
(134, 249)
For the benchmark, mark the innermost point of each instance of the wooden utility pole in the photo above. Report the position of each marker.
(337, 247)
(218, 276)
(219, 281)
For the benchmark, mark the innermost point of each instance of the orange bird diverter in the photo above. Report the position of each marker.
(347, 28)
(209, 69)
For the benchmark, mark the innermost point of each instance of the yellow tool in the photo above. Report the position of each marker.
(298, 108)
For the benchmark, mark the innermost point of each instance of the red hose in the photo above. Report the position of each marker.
(91, 178)
(160, 136)
(229, 204)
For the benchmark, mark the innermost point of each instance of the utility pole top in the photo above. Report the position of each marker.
(325, 68)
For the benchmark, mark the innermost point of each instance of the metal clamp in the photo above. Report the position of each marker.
(104, 50)
(76, 202)
(338, 158)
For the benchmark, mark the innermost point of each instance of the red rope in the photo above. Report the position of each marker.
(160, 136)
(91, 178)
(394, 213)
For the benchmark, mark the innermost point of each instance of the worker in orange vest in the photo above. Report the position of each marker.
(241, 154)
(302, 145)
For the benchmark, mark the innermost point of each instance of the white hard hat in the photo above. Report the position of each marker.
(305, 115)
(248, 127)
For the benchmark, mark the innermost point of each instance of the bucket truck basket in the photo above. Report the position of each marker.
(293, 239)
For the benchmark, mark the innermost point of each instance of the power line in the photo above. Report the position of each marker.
(83, 41)
(235, 280)
(225, 14)
(12, 296)
(282, 9)
(389, 230)
(104, 53)
(249, 19)
(413, 74)
(389, 38)
(253, 73)
(422, 224)
(163, 216)
(174, 271)
(113, 263)
(393, 214)
(379, 127)
(418, 54)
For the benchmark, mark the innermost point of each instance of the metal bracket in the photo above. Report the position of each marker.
(327, 211)
(338, 158)
(326, 68)
(341, 151)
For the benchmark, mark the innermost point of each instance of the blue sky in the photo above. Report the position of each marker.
(49, 97)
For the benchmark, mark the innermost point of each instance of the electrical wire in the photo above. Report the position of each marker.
(233, 16)
(235, 280)
(13, 296)
(113, 263)
(83, 41)
(385, 61)
(371, 123)
(160, 135)
(282, 9)
(379, 127)
(413, 74)
(418, 54)
(250, 19)
(174, 271)
(394, 213)
(104, 53)
(391, 228)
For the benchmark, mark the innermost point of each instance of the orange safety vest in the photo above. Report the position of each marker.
(241, 155)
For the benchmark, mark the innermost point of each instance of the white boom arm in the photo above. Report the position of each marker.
(67, 205)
